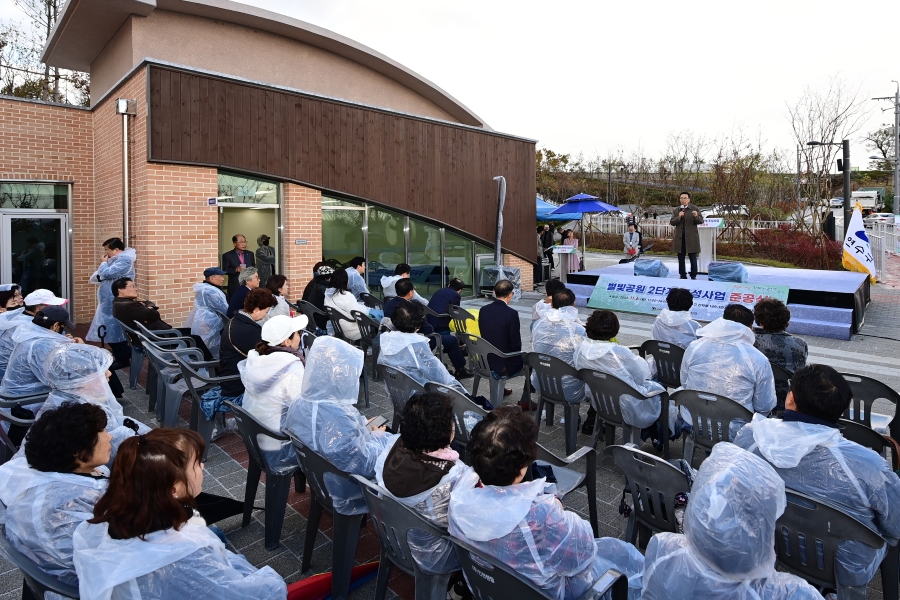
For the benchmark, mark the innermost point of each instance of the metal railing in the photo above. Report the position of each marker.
(891, 235)
(879, 254)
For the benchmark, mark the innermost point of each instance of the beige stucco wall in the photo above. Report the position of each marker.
(252, 54)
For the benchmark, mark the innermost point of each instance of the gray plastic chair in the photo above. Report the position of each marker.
(399, 387)
(7, 448)
(310, 311)
(346, 528)
(711, 418)
(137, 355)
(653, 484)
(567, 478)
(197, 384)
(460, 316)
(171, 386)
(807, 536)
(550, 372)
(865, 392)
(35, 582)
(605, 391)
(164, 335)
(278, 485)
(371, 301)
(490, 579)
(393, 522)
(668, 359)
(479, 350)
(869, 438)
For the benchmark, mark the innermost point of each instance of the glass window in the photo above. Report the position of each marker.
(458, 253)
(387, 245)
(484, 257)
(425, 257)
(34, 195)
(326, 202)
(237, 189)
(342, 234)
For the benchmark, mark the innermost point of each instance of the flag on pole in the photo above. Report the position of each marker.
(857, 251)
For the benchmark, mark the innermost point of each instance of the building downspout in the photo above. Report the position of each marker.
(501, 200)
(126, 108)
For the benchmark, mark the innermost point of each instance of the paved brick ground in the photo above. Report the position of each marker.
(872, 352)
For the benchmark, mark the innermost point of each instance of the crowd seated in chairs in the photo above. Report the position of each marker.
(787, 351)
(559, 333)
(674, 324)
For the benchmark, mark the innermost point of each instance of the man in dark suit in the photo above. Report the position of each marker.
(441, 300)
(235, 261)
(499, 325)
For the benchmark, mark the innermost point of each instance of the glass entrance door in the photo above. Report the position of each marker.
(34, 251)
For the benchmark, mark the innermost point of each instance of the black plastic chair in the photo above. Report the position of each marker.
(460, 318)
(780, 373)
(605, 391)
(371, 301)
(490, 579)
(865, 392)
(336, 317)
(346, 528)
(808, 534)
(197, 385)
(224, 317)
(368, 331)
(567, 478)
(399, 387)
(137, 355)
(550, 372)
(7, 448)
(711, 416)
(869, 438)
(36, 582)
(393, 522)
(668, 359)
(653, 484)
(479, 349)
(311, 312)
(278, 485)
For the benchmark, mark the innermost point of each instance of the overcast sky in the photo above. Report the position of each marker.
(588, 76)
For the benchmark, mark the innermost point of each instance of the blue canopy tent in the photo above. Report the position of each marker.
(545, 208)
(580, 205)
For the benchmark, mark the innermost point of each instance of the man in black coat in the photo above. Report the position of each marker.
(547, 242)
(499, 325)
(235, 261)
(441, 300)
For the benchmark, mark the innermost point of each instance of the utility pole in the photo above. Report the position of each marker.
(609, 182)
(848, 192)
(896, 100)
(799, 193)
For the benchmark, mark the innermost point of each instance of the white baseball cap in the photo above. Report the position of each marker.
(281, 327)
(43, 297)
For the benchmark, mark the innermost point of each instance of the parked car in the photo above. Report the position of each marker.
(878, 218)
(836, 202)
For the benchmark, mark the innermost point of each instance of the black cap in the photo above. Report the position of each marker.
(55, 314)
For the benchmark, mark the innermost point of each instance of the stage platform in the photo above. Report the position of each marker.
(815, 295)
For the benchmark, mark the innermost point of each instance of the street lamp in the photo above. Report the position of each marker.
(843, 165)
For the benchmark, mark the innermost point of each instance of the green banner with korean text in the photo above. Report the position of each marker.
(647, 295)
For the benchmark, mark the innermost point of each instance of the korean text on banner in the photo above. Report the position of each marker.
(857, 251)
(647, 295)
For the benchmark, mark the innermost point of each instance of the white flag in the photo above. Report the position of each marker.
(857, 250)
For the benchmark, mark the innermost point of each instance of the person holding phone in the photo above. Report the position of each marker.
(686, 238)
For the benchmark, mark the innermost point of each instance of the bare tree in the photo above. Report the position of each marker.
(881, 141)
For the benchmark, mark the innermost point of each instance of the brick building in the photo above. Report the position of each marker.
(245, 121)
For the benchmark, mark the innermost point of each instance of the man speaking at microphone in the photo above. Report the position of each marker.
(686, 239)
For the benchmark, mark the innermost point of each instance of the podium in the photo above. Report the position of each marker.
(708, 231)
(565, 253)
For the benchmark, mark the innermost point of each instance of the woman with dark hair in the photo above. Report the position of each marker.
(522, 523)
(340, 298)
(600, 352)
(146, 539)
(278, 285)
(54, 486)
(781, 348)
(10, 297)
(420, 470)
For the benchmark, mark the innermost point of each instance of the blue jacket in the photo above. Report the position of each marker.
(439, 303)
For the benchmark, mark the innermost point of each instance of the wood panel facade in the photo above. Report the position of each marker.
(425, 168)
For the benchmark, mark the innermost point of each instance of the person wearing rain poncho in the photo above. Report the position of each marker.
(78, 373)
(209, 301)
(541, 307)
(147, 541)
(521, 523)
(723, 361)
(558, 333)
(674, 325)
(600, 353)
(401, 271)
(50, 490)
(339, 298)
(728, 546)
(272, 375)
(813, 458)
(11, 320)
(326, 421)
(420, 470)
(118, 261)
(356, 268)
(410, 352)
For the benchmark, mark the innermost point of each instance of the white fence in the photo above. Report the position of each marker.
(660, 227)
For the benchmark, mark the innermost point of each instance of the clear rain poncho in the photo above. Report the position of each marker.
(43, 510)
(388, 289)
(121, 265)
(344, 303)
(9, 322)
(432, 554)
(728, 548)
(325, 419)
(411, 354)
(527, 529)
(816, 460)
(25, 373)
(558, 333)
(203, 318)
(272, 383)
(675, 327)
(619, 361)
(723, 361)
(77, 373)
(355, 282)
(188, 563)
